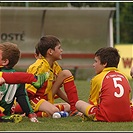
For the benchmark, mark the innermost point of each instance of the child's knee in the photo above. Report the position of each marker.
(66, 73)
(78, 104)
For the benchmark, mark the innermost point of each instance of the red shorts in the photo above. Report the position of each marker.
(91, 111)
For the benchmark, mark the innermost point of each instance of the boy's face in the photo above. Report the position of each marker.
(57, 53)
(97, 65)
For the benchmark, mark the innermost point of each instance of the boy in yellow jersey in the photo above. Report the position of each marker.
(110, 91)
(42, 100)
(10, 84)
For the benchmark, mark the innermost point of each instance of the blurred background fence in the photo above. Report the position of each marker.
(81, 30)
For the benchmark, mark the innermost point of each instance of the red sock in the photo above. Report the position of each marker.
(18, 109)
(18, 77)
(1, 114)
(60, 107)
(71, 91)
(41, 114)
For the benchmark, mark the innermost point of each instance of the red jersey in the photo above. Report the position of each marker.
(110, 91)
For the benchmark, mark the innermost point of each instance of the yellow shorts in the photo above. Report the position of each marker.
(36, 102)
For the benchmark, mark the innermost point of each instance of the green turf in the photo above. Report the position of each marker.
(68, 123)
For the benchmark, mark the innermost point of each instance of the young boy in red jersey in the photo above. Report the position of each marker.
(10, 84)
(42, 100)
(109, 99)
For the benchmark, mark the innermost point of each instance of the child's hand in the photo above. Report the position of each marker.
(2, 80)
(40, 80)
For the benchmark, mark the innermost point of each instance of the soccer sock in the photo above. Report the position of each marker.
(1, 114)
(71, 91)
(41, 114)
(18, 77)
(60, 107)
(17, 109)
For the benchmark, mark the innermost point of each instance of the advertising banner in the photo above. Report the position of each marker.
(126, 61)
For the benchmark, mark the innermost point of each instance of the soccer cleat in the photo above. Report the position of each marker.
(32, 117)
(87, 118)
(16, 118)
(74, 113)
(41, 78)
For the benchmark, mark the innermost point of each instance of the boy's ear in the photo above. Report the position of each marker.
(50, 51)
(105, 64)
(5, 62)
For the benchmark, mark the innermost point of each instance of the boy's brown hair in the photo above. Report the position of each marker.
(11, 52)
(108, 55)
(46, 42)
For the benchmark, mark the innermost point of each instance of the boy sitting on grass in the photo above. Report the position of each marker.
(110, 91)
(12, 85)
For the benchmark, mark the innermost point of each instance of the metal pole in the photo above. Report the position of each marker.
(117, 24)
(27, 4)
(111, 29)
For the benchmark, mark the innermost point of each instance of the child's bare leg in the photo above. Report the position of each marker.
(59, 81)
(66, 78)
(48, 108)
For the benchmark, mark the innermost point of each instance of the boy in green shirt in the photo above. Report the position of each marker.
(13, 85)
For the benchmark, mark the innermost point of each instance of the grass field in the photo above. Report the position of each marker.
(67, 124)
